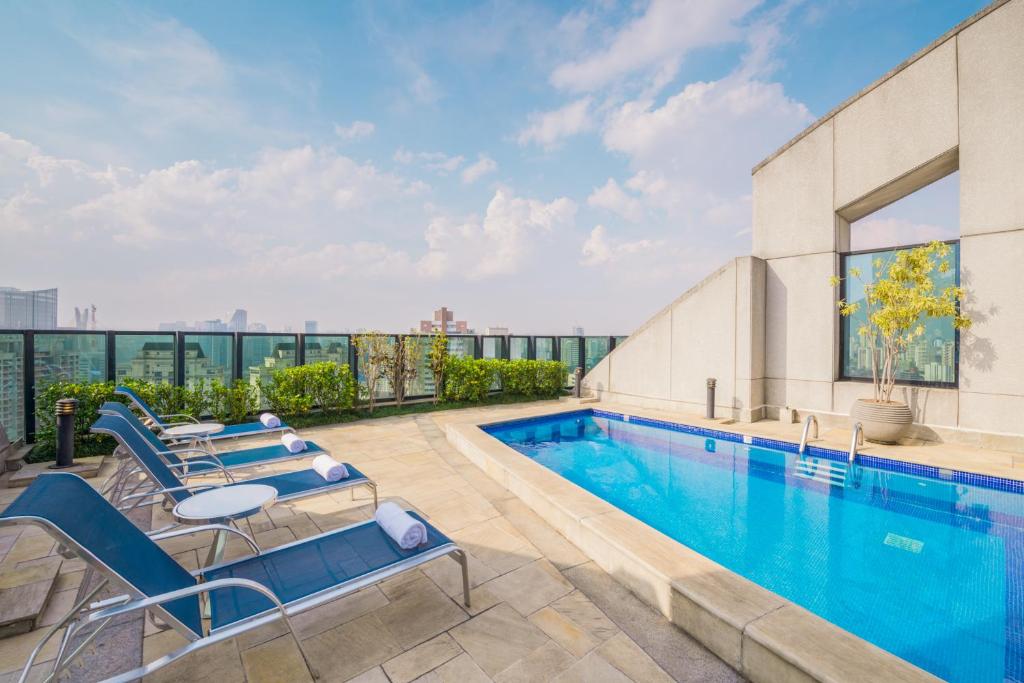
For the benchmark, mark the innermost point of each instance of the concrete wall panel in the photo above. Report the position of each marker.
(793, 212)
(643, 366)
(991, 360)
(905, 122)
(991, 61)
(800, 318)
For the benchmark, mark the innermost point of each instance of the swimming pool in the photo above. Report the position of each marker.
(925, 563)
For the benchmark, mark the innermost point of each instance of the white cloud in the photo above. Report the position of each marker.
(612, 197)
(599, 250)
(872, 232)
(484, 165)
(548, 128)
(654, 42)
(439, 162)
(355, 130)
(500, 244)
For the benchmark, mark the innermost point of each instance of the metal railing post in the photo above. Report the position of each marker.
(29, 372)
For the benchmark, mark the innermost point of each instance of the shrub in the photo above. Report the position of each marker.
(295, 390)
(532, 378)
(231, 404)
(90, 397)
(467, 379)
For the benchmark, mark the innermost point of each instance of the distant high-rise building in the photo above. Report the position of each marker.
(497, 331)
(217, 325)
(176, 326)
(444, 320)
(257, 327)
(28, 309)
(577, 331)
(312, 327)
(239, 320)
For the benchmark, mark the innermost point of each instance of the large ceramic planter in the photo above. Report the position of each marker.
(882, 422)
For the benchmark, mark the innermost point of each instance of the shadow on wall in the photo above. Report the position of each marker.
(776, 333)
(976, 352)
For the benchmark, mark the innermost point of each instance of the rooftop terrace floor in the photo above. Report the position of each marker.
(542, 610)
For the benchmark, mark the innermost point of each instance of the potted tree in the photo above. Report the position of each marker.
(901, 295)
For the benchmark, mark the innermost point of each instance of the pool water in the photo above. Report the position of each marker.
(927, 568)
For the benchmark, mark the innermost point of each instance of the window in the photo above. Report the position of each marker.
(931, 359)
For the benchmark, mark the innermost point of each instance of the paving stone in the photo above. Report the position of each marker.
(563, 631)
(627, 657)
(531, 587)
(497, 544)
(24, 596)
(555, 547)
(577, 607)
(350, 649)
(274, 661)
(498, 638)
(539, 666)
(682, 657)
(419, 612)
(421, 659)
(462, 669)
(592, 669)
(220, 662)
(374, 675)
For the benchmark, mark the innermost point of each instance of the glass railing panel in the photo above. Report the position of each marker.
(464, 347)
(544, 348)
(595, 348)
(494, 347)
(12, 385)
(620, 340)
(209, 357)
(518, 348)
(332, 348)
(148, 357)
(423, 384)
(931, 358)
(569, 354)
(262, 354)
(79, 358)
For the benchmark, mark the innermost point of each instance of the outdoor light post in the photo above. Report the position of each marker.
(577, 389)
(710, 411)
(66, 408)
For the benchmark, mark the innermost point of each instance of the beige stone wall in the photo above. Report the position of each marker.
(766, 326)
(665, 363)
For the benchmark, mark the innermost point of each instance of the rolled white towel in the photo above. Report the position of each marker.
(329, 468)
(270, 421)
(293, 443)
(407, 531)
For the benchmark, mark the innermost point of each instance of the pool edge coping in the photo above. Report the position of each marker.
(757, 632)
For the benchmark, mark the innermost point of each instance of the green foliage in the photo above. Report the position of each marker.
(231, 404)
(90, 397)
(901, 294)
(532, 378)
(437, 358)
(468, 379)
(298, 389)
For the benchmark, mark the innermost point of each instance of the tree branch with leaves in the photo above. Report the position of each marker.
(900, 295)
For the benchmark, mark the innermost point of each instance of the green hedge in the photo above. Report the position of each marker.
(471, 379)
(290, 392)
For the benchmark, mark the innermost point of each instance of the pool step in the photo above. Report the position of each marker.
(824, 471)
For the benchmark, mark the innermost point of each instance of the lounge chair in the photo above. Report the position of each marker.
(165, 482)
(242, 594)
(161, 422)
(208, 461)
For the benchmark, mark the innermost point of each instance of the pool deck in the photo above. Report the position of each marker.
(565, 587)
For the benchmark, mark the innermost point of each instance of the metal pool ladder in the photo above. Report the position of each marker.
(824, 470)
(807, 426)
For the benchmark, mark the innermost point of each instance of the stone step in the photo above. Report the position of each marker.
(86, 468)
(24, 593)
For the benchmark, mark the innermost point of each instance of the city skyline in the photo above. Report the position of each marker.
(356, 163)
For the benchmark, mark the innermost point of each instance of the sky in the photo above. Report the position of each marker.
(535, 165)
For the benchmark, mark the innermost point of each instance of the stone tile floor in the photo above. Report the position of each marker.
(541, 610)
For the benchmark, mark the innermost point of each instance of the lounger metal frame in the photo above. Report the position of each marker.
(99, 614)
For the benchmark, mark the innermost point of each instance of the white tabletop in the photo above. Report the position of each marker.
(225, 503)
(201, 429)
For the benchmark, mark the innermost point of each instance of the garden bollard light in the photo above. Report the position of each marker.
(577, 389)
(66, 408)
(710, 411)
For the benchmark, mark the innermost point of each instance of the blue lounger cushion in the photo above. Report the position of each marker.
(298, 570)
(248, 429)
(304, 482)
